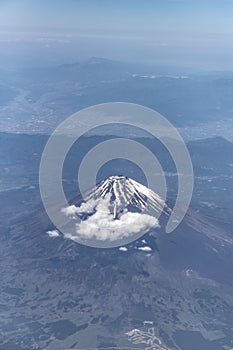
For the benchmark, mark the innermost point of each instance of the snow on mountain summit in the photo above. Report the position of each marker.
(127, 193)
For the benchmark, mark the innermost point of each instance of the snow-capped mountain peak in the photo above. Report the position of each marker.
(126, 193)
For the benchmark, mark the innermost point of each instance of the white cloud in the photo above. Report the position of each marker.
(101, 224)
(123, 249)
(53, 233)
(145, 249)
(71, 210)
(84, 208)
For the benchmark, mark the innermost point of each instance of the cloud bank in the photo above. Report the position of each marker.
(101, 224)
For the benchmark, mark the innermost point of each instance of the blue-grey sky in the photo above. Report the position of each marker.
(191, 33)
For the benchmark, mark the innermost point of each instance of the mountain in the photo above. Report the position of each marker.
(92, 70)
(125, 193)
